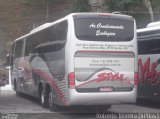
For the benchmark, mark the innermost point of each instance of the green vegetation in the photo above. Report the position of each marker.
(19, 17)
(82, 6)
(122, 5)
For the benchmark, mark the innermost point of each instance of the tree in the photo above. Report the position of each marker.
(47, 4)
(141, 10)
(82, 6)
(148, 5)
(122, 5)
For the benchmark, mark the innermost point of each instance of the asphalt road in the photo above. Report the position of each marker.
(26, 107)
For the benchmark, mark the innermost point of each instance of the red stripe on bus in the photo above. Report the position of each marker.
(47, 77)
(85, 83)
(129, 81)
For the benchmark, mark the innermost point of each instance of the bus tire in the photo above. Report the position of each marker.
(52, 106)
(44, 98)
(16, 88)
(106, 107)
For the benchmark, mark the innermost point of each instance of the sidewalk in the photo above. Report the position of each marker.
(6, 87)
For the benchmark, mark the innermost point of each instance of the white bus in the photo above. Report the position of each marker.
(149, 61)
(81, 59)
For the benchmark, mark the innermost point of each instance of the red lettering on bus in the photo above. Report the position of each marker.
(148, 71)
(103, 76)
(109, 76)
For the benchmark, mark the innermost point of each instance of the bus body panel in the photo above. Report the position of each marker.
(80, 60)
(148, 62)
(149, 79)
(44, 67)
(102, 98)
(49, 64)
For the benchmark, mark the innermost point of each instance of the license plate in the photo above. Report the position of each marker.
(106, 89)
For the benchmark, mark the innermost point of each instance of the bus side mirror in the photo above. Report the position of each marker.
(8, 59)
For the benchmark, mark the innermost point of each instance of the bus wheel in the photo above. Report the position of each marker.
(16, 88)
(44, 98)
(52, 105)
(105, 107)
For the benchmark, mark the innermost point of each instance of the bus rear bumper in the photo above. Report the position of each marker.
(105, 98)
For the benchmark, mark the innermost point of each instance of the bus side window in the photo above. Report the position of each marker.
(49, 40)
(157, 46)
(143, 47)
(146, 47)
(33, 41)
(18, 49)
(46, 48)
(57, 32)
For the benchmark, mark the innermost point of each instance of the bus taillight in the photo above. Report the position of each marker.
(136, 78)
(105, 14)
(71, 80)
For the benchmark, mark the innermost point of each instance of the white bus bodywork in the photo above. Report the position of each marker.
(92, 62)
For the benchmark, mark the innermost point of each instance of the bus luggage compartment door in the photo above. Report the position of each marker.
(104, 71)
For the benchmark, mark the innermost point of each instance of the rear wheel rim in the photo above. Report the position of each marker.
(42, 97)
(50, 99)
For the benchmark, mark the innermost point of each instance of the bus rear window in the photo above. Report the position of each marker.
(104, 29)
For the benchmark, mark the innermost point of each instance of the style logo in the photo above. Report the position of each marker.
(110, 75)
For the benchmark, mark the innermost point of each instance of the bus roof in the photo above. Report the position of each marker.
(148, 33)
(40, 27)
(148, 29)
(153, 24)
(79, 15)
(102, 15)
